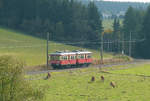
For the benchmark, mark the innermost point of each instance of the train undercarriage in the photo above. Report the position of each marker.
(58, 66)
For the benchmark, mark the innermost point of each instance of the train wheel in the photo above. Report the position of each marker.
(87, 65)
(54, 67)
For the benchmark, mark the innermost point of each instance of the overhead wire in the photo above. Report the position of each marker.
(72, 43)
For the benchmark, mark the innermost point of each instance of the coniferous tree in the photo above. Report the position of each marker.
(143, 47)
(116, 35)
(132, 28)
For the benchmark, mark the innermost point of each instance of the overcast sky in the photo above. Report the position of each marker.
(130, 0)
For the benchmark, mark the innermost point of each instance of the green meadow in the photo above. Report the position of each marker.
(77, 86)
(108, 23)
(32, 50)
(138, 70)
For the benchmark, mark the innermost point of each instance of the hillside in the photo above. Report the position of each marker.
(29, 49)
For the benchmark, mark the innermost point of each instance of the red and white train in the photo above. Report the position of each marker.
(65, 59)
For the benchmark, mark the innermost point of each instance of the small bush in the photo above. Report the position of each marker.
(123, 57)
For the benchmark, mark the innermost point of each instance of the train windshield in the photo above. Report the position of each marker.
(55, 57)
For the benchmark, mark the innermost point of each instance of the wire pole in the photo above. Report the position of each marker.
(130, 44)
(123, 44)
(101, 50)
(108, 46)
(47, 49)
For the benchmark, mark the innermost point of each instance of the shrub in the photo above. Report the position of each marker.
(13, 86)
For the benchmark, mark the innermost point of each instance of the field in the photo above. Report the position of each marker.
(31, 50)
(108, 23)
(77, 86)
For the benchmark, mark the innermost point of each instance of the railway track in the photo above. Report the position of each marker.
(135, 61)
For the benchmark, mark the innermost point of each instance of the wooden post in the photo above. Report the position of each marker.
(101, 50)
(47, 49)
(130, 45)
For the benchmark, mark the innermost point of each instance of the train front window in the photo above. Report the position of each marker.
(52, 58)
(55, 57)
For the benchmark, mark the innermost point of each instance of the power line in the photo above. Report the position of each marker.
(74, 43)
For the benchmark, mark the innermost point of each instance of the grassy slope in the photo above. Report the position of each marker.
(76, 86)
(29, 49)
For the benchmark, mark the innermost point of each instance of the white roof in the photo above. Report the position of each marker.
(83, 52)
(71, 53)
(63, 53)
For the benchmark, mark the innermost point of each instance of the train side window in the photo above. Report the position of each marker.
(79, 56)
(57, 57)
(61, 58)
(52, 57)
(82, 56)
(89, 56)
(72, 57)
(65, 57)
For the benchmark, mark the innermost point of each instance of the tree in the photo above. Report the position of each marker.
(13, 86)
(143, 47)
(95, 22)
(132, 24)
(116, 35)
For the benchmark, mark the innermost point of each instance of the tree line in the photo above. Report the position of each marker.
(65, 20)
(133, 36)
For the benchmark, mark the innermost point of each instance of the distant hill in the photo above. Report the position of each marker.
(108, 7)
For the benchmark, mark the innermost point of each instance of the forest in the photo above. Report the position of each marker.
(65, 20)
(72, 21)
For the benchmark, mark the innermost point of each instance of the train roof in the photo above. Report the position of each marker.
(70, 53)
(83, 52)
(63, 53)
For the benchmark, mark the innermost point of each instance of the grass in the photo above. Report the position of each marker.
(108, 23)
(76, 85)
(32, 50)
(139, 70)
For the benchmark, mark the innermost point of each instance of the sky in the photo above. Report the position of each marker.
(130, 0)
